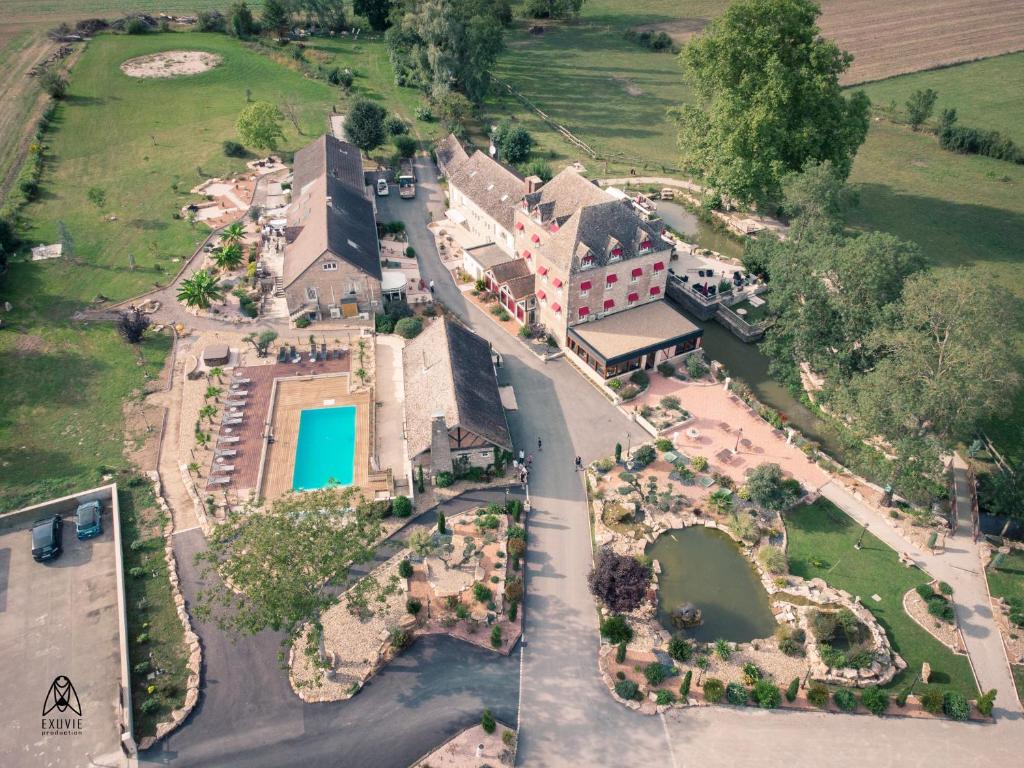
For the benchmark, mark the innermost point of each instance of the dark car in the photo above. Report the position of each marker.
(46, 538)
(89, 520)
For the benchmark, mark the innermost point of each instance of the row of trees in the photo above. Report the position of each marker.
(919, 357)
(958, 138)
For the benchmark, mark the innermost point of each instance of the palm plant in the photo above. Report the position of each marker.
(208, 412)
(703, 662)
(215, 372)
(202, 439)
(212, 392)
(200, 290)
(232, 233)
(193, 468)
(228, 256)
(720, 501)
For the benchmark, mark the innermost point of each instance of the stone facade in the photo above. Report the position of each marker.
(330, 282)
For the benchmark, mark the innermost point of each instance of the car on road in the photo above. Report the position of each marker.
(89, 520)
(47, 536)
(382, 188)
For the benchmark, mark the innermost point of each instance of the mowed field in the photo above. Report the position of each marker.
(69, 10)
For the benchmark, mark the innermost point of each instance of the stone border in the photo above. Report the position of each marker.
(191, 639)
(907, 597)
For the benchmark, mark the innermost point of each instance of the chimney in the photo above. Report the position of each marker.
(532, 183)
(440, 448)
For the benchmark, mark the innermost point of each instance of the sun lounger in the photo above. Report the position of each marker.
(225, 453)
(233, 422)
(223, 467)
(218, 481)
(236, 382)
(235, 403)
(228, 440)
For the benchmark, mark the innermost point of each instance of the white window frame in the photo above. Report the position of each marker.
(330, 266)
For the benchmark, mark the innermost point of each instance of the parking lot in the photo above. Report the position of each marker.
(59, 618)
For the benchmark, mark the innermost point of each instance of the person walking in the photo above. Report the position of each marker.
(529, 461)
(540, 445)
(579, 463)
(431, 286)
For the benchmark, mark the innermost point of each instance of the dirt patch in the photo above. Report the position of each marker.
(628, 85)
(30, 344)
(680, 30)
(170, 64)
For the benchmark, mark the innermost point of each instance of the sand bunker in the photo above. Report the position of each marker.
(170, 64)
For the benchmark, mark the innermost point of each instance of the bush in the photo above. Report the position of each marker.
(395, 126)
(699, 463)
(751, 674)
(875, 700)
(817, 695)
(655, 673)
(722, 649)
(766, 694)
(514, 589)
(412, 605)
(945, 588)
(941, 609)
(792, 689)
(627, 690)
(496, 636)
(695, 368)
(925, 591)
(640, 378)
(513, 610)
(736, 694)
(444, 479)
(932, 701)
(233, 149)
(986, 702)
(405, 145)
(400, 638)
(664, 445)
(487, 722)
(481, 592)
(714, 689)
(405, 569)
(845, 700)
(664, 698)
(773, 559)
(137, 26)
(383, 323)
(409, 327)
(791, 641)
(302, 322)
(684, 687)
(620, 652)
(424, 115)
(615, 629)
(667, 370)
(619, 581)
(955, 706)
(150, 705)
(679, 648)
(401, 506)
(644, 455)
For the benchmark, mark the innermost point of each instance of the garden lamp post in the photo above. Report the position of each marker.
(860, 540)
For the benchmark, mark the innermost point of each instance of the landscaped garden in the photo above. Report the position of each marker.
(1005, 574)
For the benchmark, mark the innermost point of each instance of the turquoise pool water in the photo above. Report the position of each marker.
(326, 449)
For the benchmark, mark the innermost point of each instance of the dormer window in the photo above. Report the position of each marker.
(645, 245)
(587, 260)
(615, 253)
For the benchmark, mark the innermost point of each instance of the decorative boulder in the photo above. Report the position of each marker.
(686, 615)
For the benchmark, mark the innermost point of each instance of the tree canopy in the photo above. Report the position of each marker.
(276, 17)
(447, 44)
(619, 581)
(259, 125)
(514, 143)
(377, 12)
(364, 124)
(243, 24)
(768, 100)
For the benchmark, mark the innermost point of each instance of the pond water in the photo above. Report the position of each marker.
(705, 567)
(686, 223)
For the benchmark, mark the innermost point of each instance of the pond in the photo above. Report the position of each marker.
(704, 234)
(705, 567)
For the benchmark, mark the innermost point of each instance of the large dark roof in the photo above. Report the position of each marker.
(450, 154)
(339, 159)
(596, 228)
(509, 270)
(351, 228)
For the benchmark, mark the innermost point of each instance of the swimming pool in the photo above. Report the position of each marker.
(326, 448)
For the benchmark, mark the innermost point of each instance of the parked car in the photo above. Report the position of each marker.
(46, 538)
(382, 188)
(89, 520)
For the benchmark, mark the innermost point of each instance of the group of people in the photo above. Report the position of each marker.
(524, 463)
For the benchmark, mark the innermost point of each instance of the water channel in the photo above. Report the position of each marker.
(745, 361)
(705, 567)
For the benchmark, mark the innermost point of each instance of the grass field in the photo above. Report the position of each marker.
(64, 383)
(61, 10)
(986, 94)
(822, 533)
(1007, 581)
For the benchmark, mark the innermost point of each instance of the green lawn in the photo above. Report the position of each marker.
(822, 533)
(986, 94)
(1007, 581)
(60, 10)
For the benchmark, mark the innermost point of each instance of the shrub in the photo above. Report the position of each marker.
(901, 697)
(616, 629)
(302, 322)
(699, 463)
(496, 636)
(399, 638)
(644, 455)
(932, 701)
(955, 706)
(395, 126)
(461, 611)
(817, 695)
(684, 687)
(945, 588)
(722, 649)
(513, 610)
(845, 700)
(736, 694)
(941, 609)
(986, 702)
(481, 592)
(665, 698)
(875, 700)
(627, 689)
(409, 327)
(405, 569)
(679, 648)
(773, 559)
(925, 591)
(619, 581)
(620, 652)
(233, 149)
(766, 694)
(487, 722)
(664, 445)
(667, 370)
(405, 145)
(401, 506)
(792, 689)
(444, 479)
(714, 689)
(413, 606)
(751, 674)
(654, 672)
(791, 641)
(141, 668)
(150, 705)
(932, 538)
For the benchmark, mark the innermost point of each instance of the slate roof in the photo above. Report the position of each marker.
(488, 255)
(559, 198)
(593, 228)
(521, 287)
(495, 188)
(450, 154)
(509, 270)
(339, 159)
(449, 369)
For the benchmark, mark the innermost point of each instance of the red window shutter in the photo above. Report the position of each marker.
(612, 278)
(655, 290)
(616, 251)
(557, 308)
(541, 295)
(556, 282)
(542, 270)
(609, 303)
(645, 244)
(637, 271)
(526, 254)
(535, 238)
(584, 311)
(519, 225)
(585, 285)
(633, 297)
(658, 266)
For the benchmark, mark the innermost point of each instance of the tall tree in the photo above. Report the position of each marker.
(200, 290)
(948, 359)
(243, 24)
(769, 100)
(282, 563)
(276, 17)
(920, 106)
(377, 12)
(364, 124)
(259, 125)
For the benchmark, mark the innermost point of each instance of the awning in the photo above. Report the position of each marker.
(616, 251)
(584, 311)
(658, 266)
(535, 238)
(542, 270)
(557, 282)
(526, 254)
(613, 278)
(655, 290)
(585, 285)
(553, 227)
(645, 244)
(609, 303)
(541, 295)
(637, 271)
(455, 216)
(519, 225)
(633, 297)
(556, 308)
